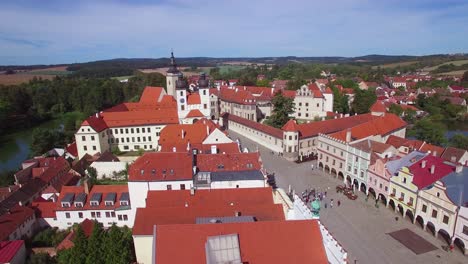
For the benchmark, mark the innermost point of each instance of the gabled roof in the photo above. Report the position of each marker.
(13, 219)
(371, 146)
(236, 95)
(107, 156)
(229, 162)
(394, 165)
(194, 113)
(193, 99)
(422, 177)
(379, 107)
(273, 131)
(453, 152)
(151, 95)
(72, 149)
(9, 249)
(399, 141)
(259, 242)
(291, 126)
(119, 190)
(182, 134)
(432, 149)
(161, 166)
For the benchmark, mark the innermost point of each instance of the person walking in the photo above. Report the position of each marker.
(339, 202)
(331, 203)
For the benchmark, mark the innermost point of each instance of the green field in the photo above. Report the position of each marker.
(46, 72)
(395, 64)
(456, 63)
(227, 68)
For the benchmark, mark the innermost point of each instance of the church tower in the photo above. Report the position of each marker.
(181, 96)
(204, 91)
(172, 75)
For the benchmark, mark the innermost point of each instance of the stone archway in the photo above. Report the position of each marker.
(401, 210)
(430, 227)
(363, 187)
(383, 198)
(341, 176)
(194, 120)
(420, 220)
(459, 244)
(333, 172)
(392, 204)
(327, 169)
(320, 165)
(443, 234)
(410, 215)
(372, 192)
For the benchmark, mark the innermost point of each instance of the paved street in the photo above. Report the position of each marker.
(359, 226)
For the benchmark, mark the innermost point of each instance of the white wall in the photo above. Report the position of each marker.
(108, 168)
(217, 137)
(26, 229)
(63, 222)
(144, 246)
(462, 220)
(234, 184)
(268, 141)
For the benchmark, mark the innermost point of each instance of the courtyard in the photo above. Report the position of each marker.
(359, 226)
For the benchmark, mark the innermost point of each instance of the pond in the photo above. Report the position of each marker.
(15, 146)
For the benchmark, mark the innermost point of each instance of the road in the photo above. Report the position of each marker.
(358, 225)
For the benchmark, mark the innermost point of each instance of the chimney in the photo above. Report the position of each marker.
(423, 164)
(458, 168)
(453, 159)
(194, 157)
(186, 204)
(8, 211)
(348, 135)
(432, 169)
(9, 189)
(87, 186)
(183, 133)
(20, 203)
(97, 115)
(207, 131)
(237, 213)
(434, 153)
(192, 191)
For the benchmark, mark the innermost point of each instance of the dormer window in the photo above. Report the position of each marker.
(95, 199)
(65, 204)
(124, 199)
(110, 199)
(67, 200)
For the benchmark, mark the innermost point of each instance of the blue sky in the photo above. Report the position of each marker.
(59, 31)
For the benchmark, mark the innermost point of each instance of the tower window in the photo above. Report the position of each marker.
(181, 93)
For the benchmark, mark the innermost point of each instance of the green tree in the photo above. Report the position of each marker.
(282, 108)
(95, 252)
(295, 84)
(395, 109)
(430, 131)
(459, 141)
(41, 258)
(79, 250)
(363, 100)
(45, 139)
(92, 174)
(464, 80)
(263, 83)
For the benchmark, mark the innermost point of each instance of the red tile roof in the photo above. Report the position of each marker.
(237, 96)
(315, 90)
(429, 148)
(72, 149)
(229, 162)
(194, 113)
(44, 208)
(97, 123)
(290, 126)
(382, 125)
(103, 189)
(221, 148)
(11, 221)
(9, 249)
(453, 152)
(181, 134)
(193, 99)
(289, 93)
(259, 242)
(275, 132)
(422, 177)
(378, 107)
(167, 166)
(151, 95)
(333, 125)
(398, 142)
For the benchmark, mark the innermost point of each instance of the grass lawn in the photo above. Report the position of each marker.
(226, 68)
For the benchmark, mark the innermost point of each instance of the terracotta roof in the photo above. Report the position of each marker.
(378, 107)
(229, 162)
(214, 91)
(151, 95)
(371, 146)
(9, 249)
(182, 134)
(97, 123)
(315, 90)
(107, 156)
(312, 129)
(103, 189)
(222, 148)
(194, 113)
(13, 219)
(44, 208)
(72, 149)
(167, 166)
(193, 99)
(275, 132)
(453, 152)
(398, 142)
(238, 96)
(259, 242)
(429, 148)
(422, 177)
(7, 191)
(289, 93)
(291, 125)
(382, 125)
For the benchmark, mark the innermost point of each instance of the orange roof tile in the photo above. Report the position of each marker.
(229, 162)
(194, 113)
(432, 149)
(378, 106)
(291, 125)
(333, 125)
(259, 242)
(182, 134)
(237, 96)
(151, 95)
(273, 131)
(9, 222)
(161, 166)
(193, 99)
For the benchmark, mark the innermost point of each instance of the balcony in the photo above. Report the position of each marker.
(401, 199)
(392, 195)
(409, 203)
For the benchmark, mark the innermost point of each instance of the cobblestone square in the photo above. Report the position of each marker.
(358, 225)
